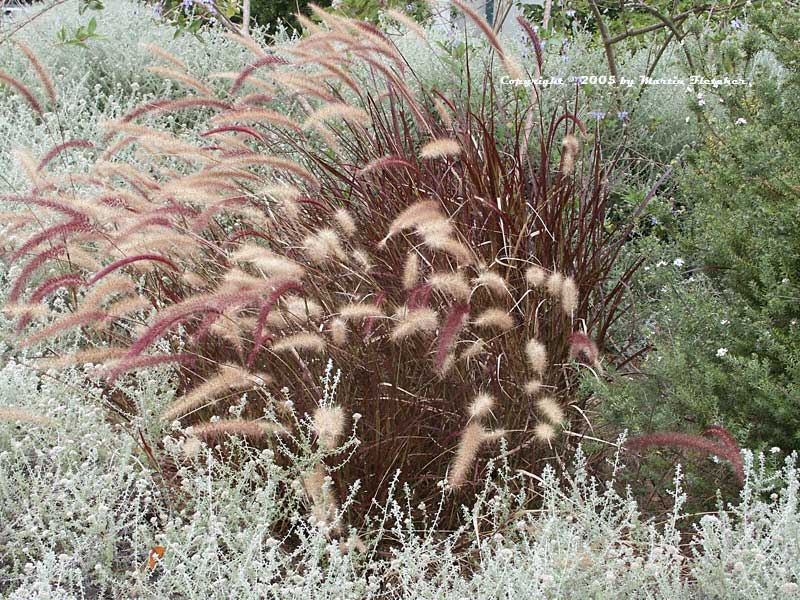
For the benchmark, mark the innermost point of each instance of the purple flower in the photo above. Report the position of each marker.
(597, 114)
(736, 24)
(623, 115)
(570, 13)
(187, 3)
(653, 221)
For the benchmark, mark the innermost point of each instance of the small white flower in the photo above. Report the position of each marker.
(678, 262)
(687, 119)
(741, 121)
(774, 450)
(661, 263)
(721, 352)
(701, 102)
(724, 322)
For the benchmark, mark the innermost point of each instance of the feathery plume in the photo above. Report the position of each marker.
(452, 284)
(472, 438)
(481, 406)
(548, 407)
(537, 356)
(335, 111)
(268, 262)
(544, 432)
(183, 78)
(414, 215)
(414, 321)
(447, 337)
(300, 341)
(323, 245)
(23, 91)
(40, 70)
(581, 344)
(329, 426)
(29, 269)
(126, 261)
(256, 115)
(470, 443)
(475, 349)
(161, 53)
(383, 162)
(481, 24)
(674, 439)
(554, 284)
(230, 378)
(409, 23)
(536, 276)
(569, 151)
(362, 258)
(411, 271)
(569, 295)
(324, 504)
(491, 281)
(18, 415)
(439, 148)
(352, 312)
(262, 61)
(338, 331)
(90, 356)
(533, 387)
(345, 222)
(495, 318)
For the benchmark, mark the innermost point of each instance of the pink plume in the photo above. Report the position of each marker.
(126, 261)
(452, 327)
(270, 59)
(29, 269)
(60, 148)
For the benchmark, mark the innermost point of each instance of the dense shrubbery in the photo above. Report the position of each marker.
(722, 279)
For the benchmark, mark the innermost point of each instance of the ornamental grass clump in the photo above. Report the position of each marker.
(330, 211)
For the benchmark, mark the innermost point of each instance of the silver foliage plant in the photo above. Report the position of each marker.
(81, 511)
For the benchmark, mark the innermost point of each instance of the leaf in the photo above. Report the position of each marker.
(92, 26)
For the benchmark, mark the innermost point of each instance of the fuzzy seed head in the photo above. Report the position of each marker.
(554, 284)
(439, 148)
(569, 296)
(338, 331)
(545, 432)
(536, 276)
(481, 406)
(307, 341)
(411, 271)
(550, 409)
(329, 425)
(323, 246)
(570, 147)
(451, 284)
(491, 281)
(417, 320)
(537, 356)
(495, 318)
(533, 387)
(345, 222)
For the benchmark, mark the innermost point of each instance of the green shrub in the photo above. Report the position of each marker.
(724, 318)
